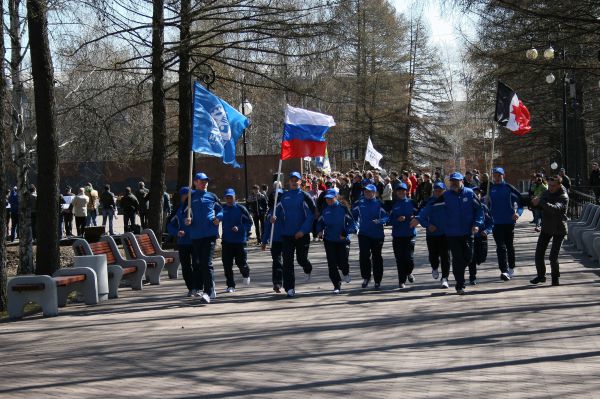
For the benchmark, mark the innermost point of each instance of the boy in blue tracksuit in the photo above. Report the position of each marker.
(403, 211)
(204, 231)
(464, 217)
(432, 218)
(178, 228)
(237, 223)
(297, 212)
(480, 242)
(506, 205)
(370, 216)
(275, 247)
(335, 226)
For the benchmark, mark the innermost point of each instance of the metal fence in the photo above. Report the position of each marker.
(578, 197)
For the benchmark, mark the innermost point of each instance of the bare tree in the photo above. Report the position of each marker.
(3, 185)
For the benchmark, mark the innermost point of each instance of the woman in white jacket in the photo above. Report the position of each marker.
(387, 195)
(79, 205)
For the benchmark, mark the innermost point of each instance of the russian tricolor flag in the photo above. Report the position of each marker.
(304, 133)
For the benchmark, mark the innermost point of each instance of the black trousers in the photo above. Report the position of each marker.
(300, 247)
(370, 251)
(504, 235)
(80, 225)
(203, 273)
(185, 256)
(143, 220)
(404, 249)
(540, 254)
(128, 221)
(437, 246)
(234, 252)
(259, 225)
(461, 248)
(337, 259)
(480, 250)
(276, 255)
(68, 218)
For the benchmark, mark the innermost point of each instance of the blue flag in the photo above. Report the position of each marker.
(216, 126)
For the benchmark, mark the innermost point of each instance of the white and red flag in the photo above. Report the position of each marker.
(510, 111)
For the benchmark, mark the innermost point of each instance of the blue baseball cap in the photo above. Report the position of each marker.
(439, 185)
(365, 182)
(230, 192)
(370, 187)
(498, 170)
(297, 175)
(401, 186)
(456, 176)
(330, 193)
(201, 176)
(184, 190)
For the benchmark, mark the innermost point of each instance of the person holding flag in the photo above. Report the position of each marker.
(506, 206)
(177, 228)
(371, 217)
(334, 226)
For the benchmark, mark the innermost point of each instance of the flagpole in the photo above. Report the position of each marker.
(190, 177)
(487, 192)
(275, 204)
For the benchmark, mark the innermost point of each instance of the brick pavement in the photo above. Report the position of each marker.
(503, 340)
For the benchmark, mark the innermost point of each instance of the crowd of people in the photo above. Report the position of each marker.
(458, 212)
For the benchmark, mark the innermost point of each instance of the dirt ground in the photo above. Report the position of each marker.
(12, 258)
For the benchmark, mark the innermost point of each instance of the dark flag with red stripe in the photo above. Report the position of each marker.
(510, 111)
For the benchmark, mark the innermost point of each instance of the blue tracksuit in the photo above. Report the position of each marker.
(276, 247)
(505, 201)
(266, 235)
(433, 213)
(364, 212)
(463, 212)
(205, 207)
(407, 208)
(236, 216)
(480, 243)
(184, 245)
(297, 210)
(336, 220)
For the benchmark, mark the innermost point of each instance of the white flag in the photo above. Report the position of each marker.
(372, 156)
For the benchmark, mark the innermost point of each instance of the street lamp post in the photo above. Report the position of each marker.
(246, 109)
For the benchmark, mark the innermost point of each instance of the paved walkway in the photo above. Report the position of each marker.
(504, 340)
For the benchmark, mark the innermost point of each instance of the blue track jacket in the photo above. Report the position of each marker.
(336, 220)
(205, 207)
(364, 212)
(297, 210)
(407, 208)
(505, 201)
(177, 223)
(236, 215)
(434, 213)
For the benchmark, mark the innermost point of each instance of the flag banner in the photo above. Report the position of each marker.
(323, 162)
(372, 156)
(510, 111)
(216, 126)
(304, 133)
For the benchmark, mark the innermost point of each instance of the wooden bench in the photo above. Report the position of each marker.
(51, 292)
(155, 263)
(150, 246)
(119, 268)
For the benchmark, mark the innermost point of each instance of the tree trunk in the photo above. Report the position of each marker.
(3, 270)
(159, 125)
(48, 255)
(185, 99)
(23, 143)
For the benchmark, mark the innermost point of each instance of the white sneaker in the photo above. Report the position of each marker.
(306, 277)
(411, 278)
(445, 283)
(197, 293)
(505, 276)
(336, 291)
(511, 272)
(347, 278)
(246, 280)
(291, 293)
(230, 289)
(435, 274)
(205, 298)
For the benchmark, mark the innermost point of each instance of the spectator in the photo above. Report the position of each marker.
(67, 211)
(129, 207)
(595, 180)
(566, 180)
(33, 207)
(13, 200)
(109, 205)
(92, 205)
(7, 207)
(387, 195)
(537, 189)
(424, 190)
(257, 205)
(357, 189)
(483, 185)
(80, 208)
(144, 203)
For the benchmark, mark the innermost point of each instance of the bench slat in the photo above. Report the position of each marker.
(103, 248)
(63, 281)
(29, 287)
(129, 270)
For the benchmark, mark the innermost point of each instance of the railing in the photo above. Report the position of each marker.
(578, 197)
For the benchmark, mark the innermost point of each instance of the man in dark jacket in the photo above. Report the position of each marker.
(144, 203)
(553, 204)
(129, 207)
(107, 200)
(257, 205)
(595, 180)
